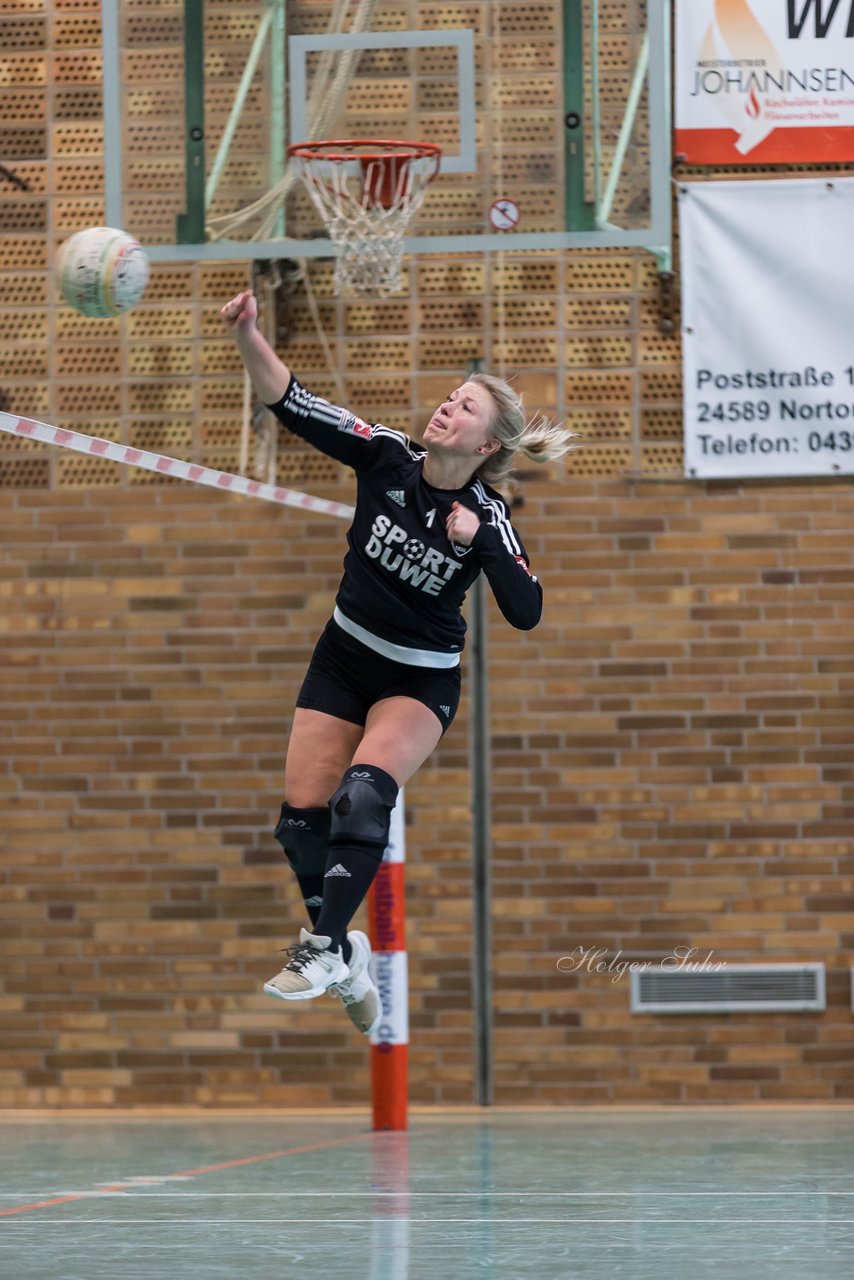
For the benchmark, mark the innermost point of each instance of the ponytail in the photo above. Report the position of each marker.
(539, 440)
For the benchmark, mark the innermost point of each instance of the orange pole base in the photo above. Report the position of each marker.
(389, 1063)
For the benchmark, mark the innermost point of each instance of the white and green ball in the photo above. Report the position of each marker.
(102, 271)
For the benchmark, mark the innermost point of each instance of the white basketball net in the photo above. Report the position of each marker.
(367, 207)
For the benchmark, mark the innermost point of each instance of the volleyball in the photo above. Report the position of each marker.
(102, 271)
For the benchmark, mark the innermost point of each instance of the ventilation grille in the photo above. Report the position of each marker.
(734, 988)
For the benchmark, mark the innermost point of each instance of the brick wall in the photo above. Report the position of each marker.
(679, 776)
(673, 766)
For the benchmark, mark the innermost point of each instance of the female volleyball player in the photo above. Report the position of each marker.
(383, 684)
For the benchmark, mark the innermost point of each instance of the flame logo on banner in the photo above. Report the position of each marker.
(736, 33)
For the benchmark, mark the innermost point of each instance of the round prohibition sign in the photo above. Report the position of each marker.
(504, 214)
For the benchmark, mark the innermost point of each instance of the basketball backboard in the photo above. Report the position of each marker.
(553, 118)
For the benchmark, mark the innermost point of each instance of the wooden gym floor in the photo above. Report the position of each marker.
(554, 1194)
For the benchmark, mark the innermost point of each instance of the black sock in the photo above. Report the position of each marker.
(311, 888)
(344, 891)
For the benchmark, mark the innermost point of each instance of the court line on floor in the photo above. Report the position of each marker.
(185, 1173)
(432, 1223)
(140, 1192)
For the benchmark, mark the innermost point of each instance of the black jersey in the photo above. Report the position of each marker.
(404, 580)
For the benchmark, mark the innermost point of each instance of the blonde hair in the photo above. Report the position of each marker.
(539, 439)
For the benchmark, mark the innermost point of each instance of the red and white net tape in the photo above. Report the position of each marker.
(181, 470)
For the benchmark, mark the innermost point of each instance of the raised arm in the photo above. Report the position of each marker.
(270, 375)
(330, 428)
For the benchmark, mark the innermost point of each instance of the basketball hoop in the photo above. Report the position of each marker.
(367, 191)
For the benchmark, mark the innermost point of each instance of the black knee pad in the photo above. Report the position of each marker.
(304, 836)
(361, 808)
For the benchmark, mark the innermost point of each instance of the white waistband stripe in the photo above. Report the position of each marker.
(396, 652)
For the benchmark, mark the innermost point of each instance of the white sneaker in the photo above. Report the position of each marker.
(359, 993)
(311, 970)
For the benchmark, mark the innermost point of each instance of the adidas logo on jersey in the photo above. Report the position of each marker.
(337, 870)
(445, 710)
(396, 495)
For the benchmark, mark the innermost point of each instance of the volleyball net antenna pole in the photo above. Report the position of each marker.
(389, 1044)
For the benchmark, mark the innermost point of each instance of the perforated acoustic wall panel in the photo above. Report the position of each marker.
(579, 332)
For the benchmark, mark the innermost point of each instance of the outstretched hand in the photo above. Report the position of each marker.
(462, 525)
(241, 312)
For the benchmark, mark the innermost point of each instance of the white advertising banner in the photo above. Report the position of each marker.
(767, 327)
(764, 81)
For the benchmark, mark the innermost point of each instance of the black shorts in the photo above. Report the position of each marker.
(345, 678)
